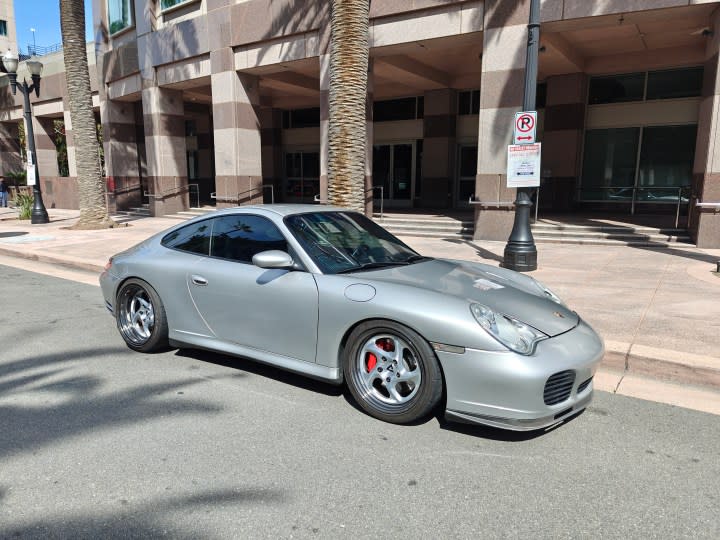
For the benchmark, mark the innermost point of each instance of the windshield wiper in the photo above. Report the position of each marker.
(372, 265)
(417, 258)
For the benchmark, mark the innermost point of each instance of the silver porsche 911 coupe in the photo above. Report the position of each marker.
(328, 293)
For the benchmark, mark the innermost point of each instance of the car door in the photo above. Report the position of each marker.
(270, 310)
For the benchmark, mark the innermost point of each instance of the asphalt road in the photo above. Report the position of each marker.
(97, 441)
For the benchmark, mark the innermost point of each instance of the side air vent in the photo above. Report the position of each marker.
(558, 387)
(583, 385)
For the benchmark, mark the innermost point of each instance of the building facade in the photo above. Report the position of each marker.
(226, 102)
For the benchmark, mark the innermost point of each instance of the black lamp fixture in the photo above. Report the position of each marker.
(10, 66)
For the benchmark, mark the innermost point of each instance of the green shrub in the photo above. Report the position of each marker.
(24, 203)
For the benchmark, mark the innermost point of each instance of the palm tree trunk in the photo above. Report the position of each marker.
(348, 90)
(91, 185)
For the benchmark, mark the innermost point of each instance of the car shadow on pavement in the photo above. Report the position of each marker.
(262, 370)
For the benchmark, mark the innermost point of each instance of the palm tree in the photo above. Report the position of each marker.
(91, 186)
(348, 92)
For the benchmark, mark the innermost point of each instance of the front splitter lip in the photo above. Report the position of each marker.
(520, 424)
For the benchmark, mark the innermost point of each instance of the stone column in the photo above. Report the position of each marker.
(164, 119)
(10, 157)
(238, 148)
(439, 148)
(501, 96)
(704, 223)
(120, 147)
(271, 141)
(562, 139)
(45, 147)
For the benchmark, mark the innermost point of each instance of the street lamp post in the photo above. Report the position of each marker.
(520, 251)
(10, 62)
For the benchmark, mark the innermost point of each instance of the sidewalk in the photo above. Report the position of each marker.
(658, 309)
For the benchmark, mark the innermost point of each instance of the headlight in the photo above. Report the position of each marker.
(515, 335)
(548, 293)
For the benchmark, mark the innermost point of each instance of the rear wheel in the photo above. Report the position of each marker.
(392, 372)
(140, 317)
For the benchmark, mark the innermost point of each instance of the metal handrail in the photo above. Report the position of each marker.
(168, 192)
(474, 200)
(262, 188)
(127, 189)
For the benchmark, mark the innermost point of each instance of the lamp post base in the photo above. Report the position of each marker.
(520, 258)
(520, 252)
(39, 215)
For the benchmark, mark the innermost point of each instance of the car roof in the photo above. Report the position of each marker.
(286, 209)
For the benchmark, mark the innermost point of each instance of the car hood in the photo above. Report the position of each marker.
(503, 291)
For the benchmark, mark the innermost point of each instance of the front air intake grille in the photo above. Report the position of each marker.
(583, 385)
(558, 387)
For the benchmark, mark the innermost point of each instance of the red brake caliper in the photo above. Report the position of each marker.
(371, 360)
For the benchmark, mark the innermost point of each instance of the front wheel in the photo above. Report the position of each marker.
(140, 317)
(392, 372)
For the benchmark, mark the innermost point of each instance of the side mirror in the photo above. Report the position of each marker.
(273, 258)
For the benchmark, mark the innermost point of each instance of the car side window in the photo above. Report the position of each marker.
(194, 238)
(238, 237)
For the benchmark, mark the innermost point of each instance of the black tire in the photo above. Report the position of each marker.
(401, 384)
(140, 317)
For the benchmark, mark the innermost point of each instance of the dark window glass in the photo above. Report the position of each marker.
(303, 118)
(541, 96)
(468, 161)
(286, 119)
(464, 103)
(194, 238)
(396, 109)
(240, 237)
(469, 102)
(675, 83)
(418, 166)
(293, 165)
(311, 165)
(609, 163)
(420, 108)
(3, 28)
(617, 88)
(666, 162)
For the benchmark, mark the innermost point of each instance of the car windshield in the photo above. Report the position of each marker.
(341, 242)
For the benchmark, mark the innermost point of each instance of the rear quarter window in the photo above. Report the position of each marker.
(193, 238)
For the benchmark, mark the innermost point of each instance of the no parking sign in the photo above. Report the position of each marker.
(525, 127)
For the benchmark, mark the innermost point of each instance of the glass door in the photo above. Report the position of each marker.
(393, 169)
(467, 169)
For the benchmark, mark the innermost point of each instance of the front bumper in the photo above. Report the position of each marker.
(506, 390)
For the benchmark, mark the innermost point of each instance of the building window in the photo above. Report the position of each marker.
(469, 102)
(3, 28)
(665, 84)
(467, 169)
(675, 83)
(390, 110)
(617, 88)
(614, 171)
(167, 4)
(541, 96)
(301, 118)
(119, 15)
(302, 173)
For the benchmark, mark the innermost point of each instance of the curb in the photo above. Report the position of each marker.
(72, 264)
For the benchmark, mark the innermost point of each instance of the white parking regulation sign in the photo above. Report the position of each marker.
(525, 127)
(523, 165)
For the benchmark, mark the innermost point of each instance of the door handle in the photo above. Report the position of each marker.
(198, 280)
